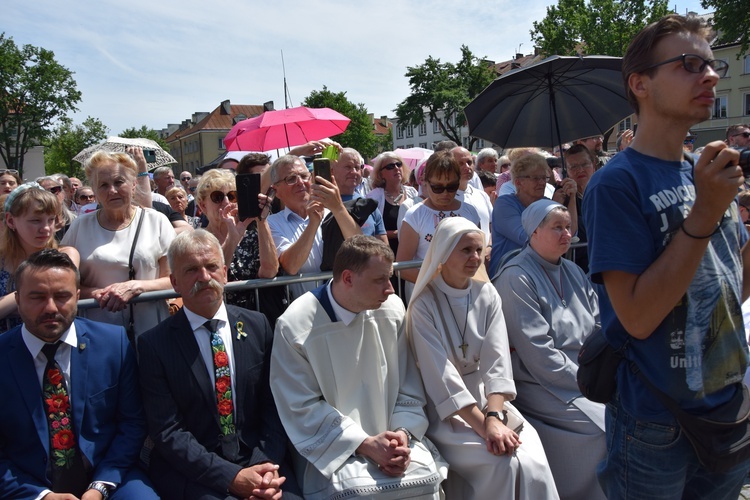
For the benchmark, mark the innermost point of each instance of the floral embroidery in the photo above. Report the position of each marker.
(58, 414)
(223, 386)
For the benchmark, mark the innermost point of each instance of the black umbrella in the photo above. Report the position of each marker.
(556, 100)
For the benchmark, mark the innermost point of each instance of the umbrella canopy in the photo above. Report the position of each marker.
(557, 100)
(413, 156)
(120, 145)
(285, 128)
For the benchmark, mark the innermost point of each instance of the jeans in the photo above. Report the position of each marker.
(651, 461)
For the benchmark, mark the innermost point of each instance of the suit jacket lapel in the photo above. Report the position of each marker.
(183, 336)
(79, 367)
(22, 367)
(239, 343)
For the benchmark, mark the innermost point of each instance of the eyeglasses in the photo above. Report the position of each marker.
(746, 135)
(391, 166)
(55, 189)
(580, 166)
(86, 196)
(13, 171)
(693, 63)
(218, 197)
(441, 188)
(291, 180)
(535, 178)
(689, 140)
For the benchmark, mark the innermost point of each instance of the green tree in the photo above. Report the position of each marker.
(732, 21)
(441, 90)
(603, 27)
(145, 133)
(359, 134)
(67, 140)
(35, 92)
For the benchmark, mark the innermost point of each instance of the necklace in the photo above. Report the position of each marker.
(561, 292)
(395, 199)
(463, 346)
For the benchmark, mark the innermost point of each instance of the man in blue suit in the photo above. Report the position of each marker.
(71, 421)
(204, 376)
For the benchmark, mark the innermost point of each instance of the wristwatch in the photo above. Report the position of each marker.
(409, 436)
(102, 488)
(500, 416)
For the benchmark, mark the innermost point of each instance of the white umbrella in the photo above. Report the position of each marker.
(120, 145)
(413, 156)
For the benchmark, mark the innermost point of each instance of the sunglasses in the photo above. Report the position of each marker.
(184, 179)
(689, 141)
(55, 189)
(746, 135)
(192, 189)
(86, 197)
(693, 63)
(391, 166)
(441, 188)
(13, 171)
(218, 197)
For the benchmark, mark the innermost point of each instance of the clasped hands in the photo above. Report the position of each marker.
(500, 439)
(389, 450)
(258, 481)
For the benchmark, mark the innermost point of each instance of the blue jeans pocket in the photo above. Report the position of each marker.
(649, 435)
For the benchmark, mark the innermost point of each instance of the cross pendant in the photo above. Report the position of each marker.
(463, 347)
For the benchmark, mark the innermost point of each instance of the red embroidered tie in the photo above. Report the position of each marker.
(223, 377)
(68, 470)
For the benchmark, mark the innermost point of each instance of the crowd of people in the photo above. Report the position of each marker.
(461, 384)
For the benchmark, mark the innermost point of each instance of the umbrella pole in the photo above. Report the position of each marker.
(557, 124)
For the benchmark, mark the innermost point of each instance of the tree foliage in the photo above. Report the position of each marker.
(145, 133)
(441, 90)
(67, 140)
(35, 91)
(732, 21)
(359, 134)
(603, 27)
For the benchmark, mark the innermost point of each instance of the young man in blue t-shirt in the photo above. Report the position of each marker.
(666, 241)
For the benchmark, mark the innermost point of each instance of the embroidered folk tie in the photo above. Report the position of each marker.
(68, 470)
(223, 377)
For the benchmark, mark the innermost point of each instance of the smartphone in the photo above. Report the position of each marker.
(248, 188)
(270, 194)
(150, 155)
(322, 168)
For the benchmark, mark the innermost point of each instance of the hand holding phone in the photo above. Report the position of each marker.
(322, 168)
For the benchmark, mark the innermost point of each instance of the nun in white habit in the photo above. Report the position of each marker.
(457, 331)
(550, 308)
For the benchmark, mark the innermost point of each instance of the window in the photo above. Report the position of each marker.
(624, 125)
(409, 131)
(423, 128)
(720, 107)
(399, 132)
(435, 127)
(423, 145)
(409, 146)
(221, 143)
(465, 142)
(747, 104)
(747, 65)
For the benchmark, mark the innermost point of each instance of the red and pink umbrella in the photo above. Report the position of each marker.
(285, 128)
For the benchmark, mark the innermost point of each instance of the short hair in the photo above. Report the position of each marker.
(77, 195)
(441, 164)
(353, 152)
(159, 171)
(382, 160)
(443, 145)
(251, 160)
(354, 254)
(488, 179)
(213, 180)
(62, 179)
(47, 258)
(486, 153)
(580, 148)
(173, 190)
(526, 164)
(639, 55)
(190, 242)
(735, 129)
(101, 158)
(283, 161)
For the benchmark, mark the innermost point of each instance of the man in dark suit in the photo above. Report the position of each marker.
(71, 422)
(204, 378)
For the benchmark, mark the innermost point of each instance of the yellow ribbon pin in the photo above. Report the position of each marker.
(239, 326)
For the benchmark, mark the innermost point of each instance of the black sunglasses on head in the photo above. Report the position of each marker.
(440, 188)
(55, 189)
(218, 197)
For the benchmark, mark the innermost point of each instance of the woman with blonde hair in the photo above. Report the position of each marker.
(457, 330)
(30, 215)
(123, 247)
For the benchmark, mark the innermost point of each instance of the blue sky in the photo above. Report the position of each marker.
(157, 62)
